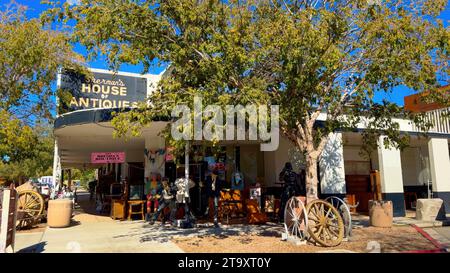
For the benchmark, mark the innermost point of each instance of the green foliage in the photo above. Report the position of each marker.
(30, 57)
(16, 139)
(85, 176)
(38, 160)
(309, 57)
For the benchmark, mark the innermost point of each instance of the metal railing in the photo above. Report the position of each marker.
(440, 120)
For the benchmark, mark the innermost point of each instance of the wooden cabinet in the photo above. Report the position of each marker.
(360, 187)
(118, 209)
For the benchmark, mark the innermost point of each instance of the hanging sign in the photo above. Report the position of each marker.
(113, 157)
(101, 90)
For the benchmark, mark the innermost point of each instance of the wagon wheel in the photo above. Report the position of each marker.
(30, 206)
(295, 220)
(344, 211)
(325, 225)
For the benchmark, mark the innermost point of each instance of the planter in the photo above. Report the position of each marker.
(59, 213)
(380, 213)
(428, 209)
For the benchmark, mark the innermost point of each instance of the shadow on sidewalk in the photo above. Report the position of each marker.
(36, 248)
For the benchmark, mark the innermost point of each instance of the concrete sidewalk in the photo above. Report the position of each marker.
(441, 235)
(96, 237)
(91, 232)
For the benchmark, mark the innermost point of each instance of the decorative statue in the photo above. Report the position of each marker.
(167, 199)
(290, 187)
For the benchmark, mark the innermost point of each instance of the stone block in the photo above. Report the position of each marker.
(428, 209)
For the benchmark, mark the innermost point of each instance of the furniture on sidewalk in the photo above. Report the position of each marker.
(231, 207)
(136, 207)
(118, 209)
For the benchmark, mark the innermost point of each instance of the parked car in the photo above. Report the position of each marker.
(48, 180)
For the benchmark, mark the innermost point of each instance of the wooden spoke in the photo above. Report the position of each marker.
(327, 233)
(295, 217)
(31, 206)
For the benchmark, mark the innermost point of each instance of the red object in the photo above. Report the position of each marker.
(431, 239)
(152, 205)
(440, 248)
(426, 251)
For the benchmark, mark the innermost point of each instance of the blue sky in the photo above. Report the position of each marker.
(35, 8)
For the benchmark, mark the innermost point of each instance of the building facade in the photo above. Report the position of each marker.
(84, 129)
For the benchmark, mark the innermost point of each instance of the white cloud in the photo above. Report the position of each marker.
(73, 2)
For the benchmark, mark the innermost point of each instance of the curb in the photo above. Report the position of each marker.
(440, 248)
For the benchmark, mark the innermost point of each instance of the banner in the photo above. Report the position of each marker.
(113, 157)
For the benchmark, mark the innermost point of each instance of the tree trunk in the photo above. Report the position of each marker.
(311, 177)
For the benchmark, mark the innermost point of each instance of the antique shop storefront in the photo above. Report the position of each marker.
(128, 169)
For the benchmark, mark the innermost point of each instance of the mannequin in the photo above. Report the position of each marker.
(153, 195)
(237, 181)
(290, 186)
(213, 187)
(167, 199)
(183, 199)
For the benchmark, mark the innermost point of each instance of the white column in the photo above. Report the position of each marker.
(56, 165)
(390, 164)
(390, 168)
(331, 163)
(439, 164)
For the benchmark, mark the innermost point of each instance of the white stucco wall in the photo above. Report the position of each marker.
(439, 164)
(274, 161)
(414, 166)
(332, 171)
(355, 164)
(390, 169)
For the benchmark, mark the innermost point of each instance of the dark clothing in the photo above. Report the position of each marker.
(91, 186)
(291, 188)
(167, 200)
(210, 190)
(162, 205)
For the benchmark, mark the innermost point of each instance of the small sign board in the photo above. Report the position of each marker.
(111, 157)
(8, 220)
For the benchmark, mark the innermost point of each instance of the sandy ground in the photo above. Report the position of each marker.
(254, 239)
(394, 239)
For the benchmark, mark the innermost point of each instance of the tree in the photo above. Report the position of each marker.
(38, 160)
(30, 57)
(309, 57)
(85, 176)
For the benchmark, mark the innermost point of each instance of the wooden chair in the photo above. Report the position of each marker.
(139, 204)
